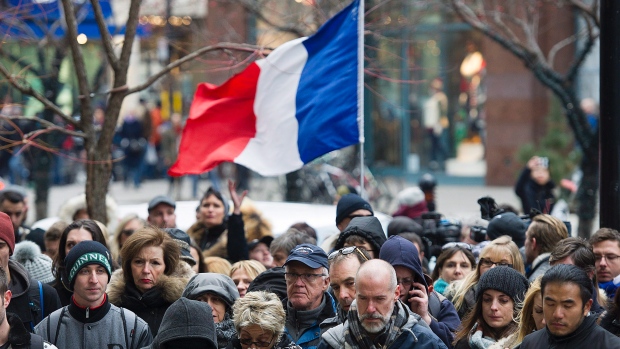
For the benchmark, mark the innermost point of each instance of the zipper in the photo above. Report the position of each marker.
(87, 312)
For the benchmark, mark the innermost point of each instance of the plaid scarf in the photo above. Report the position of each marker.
(356, 337)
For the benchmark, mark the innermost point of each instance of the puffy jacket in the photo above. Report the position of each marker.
(26, 291)
(401, 252)
(588, 335)
(152, 304)
(415, 334)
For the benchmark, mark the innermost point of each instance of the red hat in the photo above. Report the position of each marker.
(6, 231)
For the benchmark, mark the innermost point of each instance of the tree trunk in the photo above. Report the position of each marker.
(587, 192)
(98, 172)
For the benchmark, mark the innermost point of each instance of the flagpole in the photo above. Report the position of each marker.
(360, 90)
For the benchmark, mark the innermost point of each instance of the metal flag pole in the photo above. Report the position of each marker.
(360, 90)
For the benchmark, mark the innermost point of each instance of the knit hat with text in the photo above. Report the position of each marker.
(83, 254)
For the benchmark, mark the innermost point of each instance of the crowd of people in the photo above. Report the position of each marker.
(227, 282)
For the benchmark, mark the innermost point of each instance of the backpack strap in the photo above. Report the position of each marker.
(434, 304)
(35, 293)
(130, 318)
(53, 325)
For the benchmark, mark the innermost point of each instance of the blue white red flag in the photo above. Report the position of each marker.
(302, 101)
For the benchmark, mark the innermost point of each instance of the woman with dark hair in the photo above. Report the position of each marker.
(152, 278)
(454, 263)
(217, 233)
(74, 233)
(499, 294)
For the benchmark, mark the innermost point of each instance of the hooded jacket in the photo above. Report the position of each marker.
(587, 335)
(367, 227)
(401, 252)
(414, 334)
(152, 304)
(20, 286)
(186, 318)
(224, 287)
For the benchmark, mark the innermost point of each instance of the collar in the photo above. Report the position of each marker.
(585, 326)
(91, 314)
(306, 318)
(543, 257)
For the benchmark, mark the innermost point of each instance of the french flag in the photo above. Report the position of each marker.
(302, 101)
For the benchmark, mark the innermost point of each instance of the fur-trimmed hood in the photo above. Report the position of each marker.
(70, 207)
(172, 286)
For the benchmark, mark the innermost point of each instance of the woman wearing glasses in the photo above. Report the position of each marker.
(499, 294)
(454, 263)
(499, 252)
(259, 320)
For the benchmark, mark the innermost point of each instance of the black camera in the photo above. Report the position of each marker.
(439, 231)
(488, 208)
(478, 233)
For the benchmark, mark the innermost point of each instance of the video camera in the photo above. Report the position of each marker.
(438, 231)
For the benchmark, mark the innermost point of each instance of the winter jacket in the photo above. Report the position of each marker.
(587, 335)
(214, 241)
(310, 337)
(25, 291)
(106, 326)
(401, 252)
(152, 304)
(611, 321)
(414, 334)
(368, 228)
(534, 195)
(19, 337)
(539, 266)
(283, 343)
(184, 319)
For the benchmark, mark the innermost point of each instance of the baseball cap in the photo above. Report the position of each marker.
(310, 255)
(161, 199)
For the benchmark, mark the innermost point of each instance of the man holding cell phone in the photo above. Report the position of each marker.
(535, 187)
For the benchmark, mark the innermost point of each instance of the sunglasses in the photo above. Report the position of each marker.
(345, 251)
(462, 245)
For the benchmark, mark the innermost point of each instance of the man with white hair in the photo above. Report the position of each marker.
(377, 319)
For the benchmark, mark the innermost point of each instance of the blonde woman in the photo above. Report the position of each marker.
(499, 252)
(259, 320)
(243, 273)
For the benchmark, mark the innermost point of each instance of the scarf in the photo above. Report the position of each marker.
(357, 337)
(225, 330)
(440, 286)
(478, 341)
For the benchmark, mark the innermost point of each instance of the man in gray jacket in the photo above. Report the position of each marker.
(90, 321)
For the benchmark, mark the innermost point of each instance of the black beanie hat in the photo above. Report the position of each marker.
(83, 254)
(503, 279)
(350, 203)
(271, 280)
(507, 224)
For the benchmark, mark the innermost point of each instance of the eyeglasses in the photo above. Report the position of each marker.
(345, 251)
(259, 344)
(611, 258)
(406, 282)
(462, 245)
(292, 277)
(485, 262)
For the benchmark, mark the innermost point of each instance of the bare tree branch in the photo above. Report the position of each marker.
(191, 56)
(588, 11)
(28, 90)
(19, 61)
(86, 117)
(105, 36)
(130, 34)
(558, 46)
(254, 7)
(47, 124)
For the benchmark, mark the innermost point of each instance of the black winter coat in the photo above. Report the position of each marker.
(588, 335)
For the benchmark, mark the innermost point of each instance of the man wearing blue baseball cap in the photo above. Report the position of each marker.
(308, 302)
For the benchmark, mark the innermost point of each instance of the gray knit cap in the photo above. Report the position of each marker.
(503, 279)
